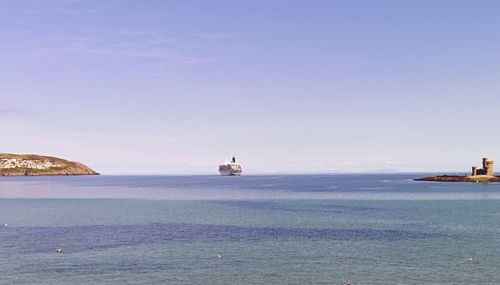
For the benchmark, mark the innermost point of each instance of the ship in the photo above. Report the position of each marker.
(230, 168)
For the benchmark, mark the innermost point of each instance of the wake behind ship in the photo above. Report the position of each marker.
(230, 169)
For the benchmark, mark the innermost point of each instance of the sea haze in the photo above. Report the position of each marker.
(295, 229)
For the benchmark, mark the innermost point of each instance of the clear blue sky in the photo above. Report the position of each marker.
(286, 86)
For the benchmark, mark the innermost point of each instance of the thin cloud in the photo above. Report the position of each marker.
(137, 32)
(11, 111)
(212, 36)
(161, 48)
(39, 131)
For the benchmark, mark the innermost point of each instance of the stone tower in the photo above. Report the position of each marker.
(474, 170)
(486, 170)
(489, 167)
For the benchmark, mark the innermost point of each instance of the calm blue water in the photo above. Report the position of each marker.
(300, 229)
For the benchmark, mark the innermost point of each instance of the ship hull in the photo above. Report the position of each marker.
(230, 169)
(229, 173)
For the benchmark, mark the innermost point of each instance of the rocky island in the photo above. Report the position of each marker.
(38, 165)
(484, 174)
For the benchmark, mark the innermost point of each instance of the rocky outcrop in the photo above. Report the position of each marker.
(455, 178)
(37, 165)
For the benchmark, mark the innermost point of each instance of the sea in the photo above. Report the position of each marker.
(266, 229)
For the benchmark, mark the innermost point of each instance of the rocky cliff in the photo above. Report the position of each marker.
(37, 165)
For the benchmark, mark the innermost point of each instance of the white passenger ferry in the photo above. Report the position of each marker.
(230, 168)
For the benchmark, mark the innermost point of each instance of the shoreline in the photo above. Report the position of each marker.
(461, 179)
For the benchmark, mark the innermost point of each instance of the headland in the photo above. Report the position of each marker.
(38, 165)
(485, 174)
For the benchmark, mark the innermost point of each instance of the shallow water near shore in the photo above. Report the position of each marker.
(295, 229)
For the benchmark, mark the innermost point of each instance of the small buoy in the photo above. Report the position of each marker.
(470, 259)
(5, 225)
(219, 256)
(59, 250)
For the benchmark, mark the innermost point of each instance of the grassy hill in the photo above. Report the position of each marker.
(38, 165)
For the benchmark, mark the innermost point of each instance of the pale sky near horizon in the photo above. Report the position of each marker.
(176, 87)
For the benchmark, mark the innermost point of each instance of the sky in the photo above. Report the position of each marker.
(177, 87)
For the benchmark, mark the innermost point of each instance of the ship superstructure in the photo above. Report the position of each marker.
(230, 168)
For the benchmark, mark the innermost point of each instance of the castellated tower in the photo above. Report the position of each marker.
(489, 167)
(485, 161)
(486, 170)
(474, 170)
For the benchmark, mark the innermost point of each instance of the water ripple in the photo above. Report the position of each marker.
(101, 237)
